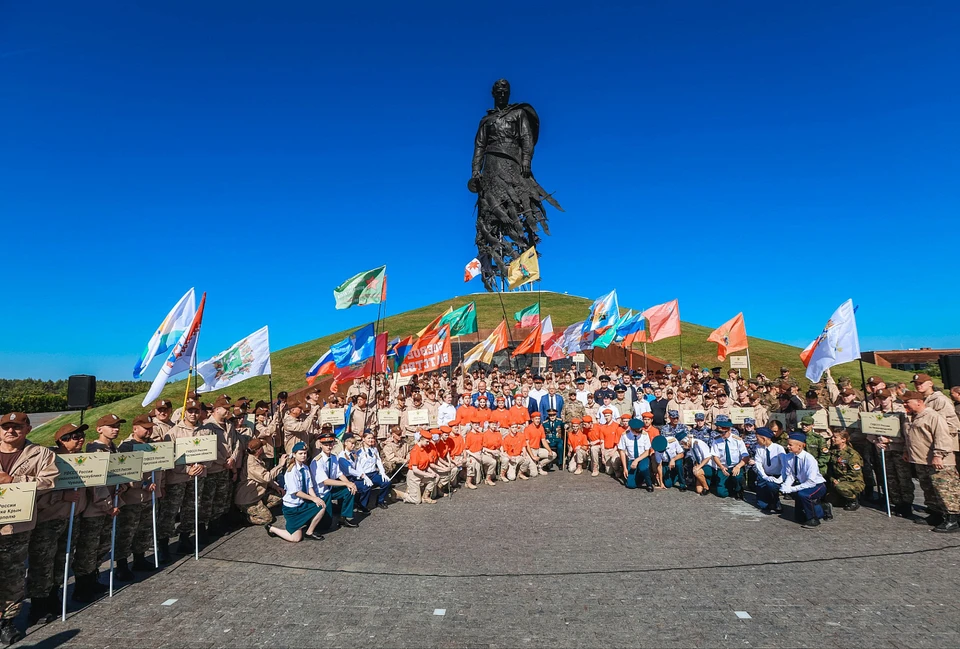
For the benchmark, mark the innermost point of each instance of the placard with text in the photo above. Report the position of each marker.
(157, 456)
(17, 501)
(193, 450)
(78, 470)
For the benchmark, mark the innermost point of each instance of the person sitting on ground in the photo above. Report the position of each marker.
(302, 506)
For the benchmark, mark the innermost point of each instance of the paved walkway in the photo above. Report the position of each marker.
(560, 561)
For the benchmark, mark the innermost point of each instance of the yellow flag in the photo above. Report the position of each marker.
(524, 269)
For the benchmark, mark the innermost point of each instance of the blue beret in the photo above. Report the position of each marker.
(723, 420)
(636, 424)
(750, 420)
(673, 413)
(700, 416)
(765, 432)
(798, 437)
(299, 446)
(681, 436)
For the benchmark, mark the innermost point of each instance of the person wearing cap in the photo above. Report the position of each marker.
(815, 444)
(421, 479)
(899, 483)
(556, 432)
(723, 407)
(396, 451)
(298, 426)
(330, 482)
(937, 401)
(538, 449)
(668, 457)
(731, 455)
(178, 413)
(179, 484)
(573, 408)
(802, 477)
(257, 489)
(673, 425)
(162, 418)
(604, 391)
(701, 462)
(844, 471)
(767, 465)
(700, 430)
(931, 448)
(594, 436)
(135, 521)
(363, 417)
(370, 466)
(514, 461)
(610, 434)
(582, 390)
(302, 506)
(216, 499)
(20, 461)
(578, 447)
(621, 402)
(633, 451)
(748, 433)
(49, 537)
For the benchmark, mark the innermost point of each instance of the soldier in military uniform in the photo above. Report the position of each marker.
(216, 498)
(899, 472)
(572, 408)
(931, 448)
(845, 472)
(555, 431)
(135, 522)
(179, 485)
(817, 446)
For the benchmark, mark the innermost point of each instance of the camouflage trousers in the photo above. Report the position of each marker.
(93, 544)
(134, 529)
(940, 488)
(899, 478)
(13, 569)
(216, 497)
(42, 552)
(60, 558)
(259, 513)
(177, 498)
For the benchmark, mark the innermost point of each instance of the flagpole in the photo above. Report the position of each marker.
(681, 350)
(539, 320)
(749, 368)
(509, 333)
(186, 390)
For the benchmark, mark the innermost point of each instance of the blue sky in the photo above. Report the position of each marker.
(770, 158)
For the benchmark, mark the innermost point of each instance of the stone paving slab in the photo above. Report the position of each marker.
(563, 561)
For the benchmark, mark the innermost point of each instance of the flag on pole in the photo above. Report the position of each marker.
(471, 270)
(324, 365)
(462, 321)
(731, 336)
(662, 321)
(610, 335)
(528, 317)
(243, 360)
(182, 356)
(435, 323)
(524, 269)
(362, 289)
(604, 312)
(365, 368)
(356, 347)
(837, 343)
(168, 333)
(430, 352)
(399, 350)
(483, 352)
(534, 342)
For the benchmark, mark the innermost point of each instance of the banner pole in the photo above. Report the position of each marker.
(509, 333)
(153, 513)
(113, 539)
(196, 518)
(883, 462)
(66, 563)
(749, 368)
(186, 390)
(681, 350)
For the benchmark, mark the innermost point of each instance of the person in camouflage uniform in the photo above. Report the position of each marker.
(135, 523)
(180, 488)
(572, 408)
(817, 445)
(845, 471)
(217, 496)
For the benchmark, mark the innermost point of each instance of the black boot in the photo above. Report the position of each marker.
(140, 563)
(852, 505)
(950, 524)
(96, 586)
(9, 633)
(39, 612)
(903, 511)
(203, 534)
(82, 590)
(827, 511)
(163, 551)
(934, 519)
(215, 529)
(186, 545)
(122, 572)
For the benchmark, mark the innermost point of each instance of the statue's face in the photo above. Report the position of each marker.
(501, 93)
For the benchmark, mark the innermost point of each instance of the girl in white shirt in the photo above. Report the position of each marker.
(302, 507)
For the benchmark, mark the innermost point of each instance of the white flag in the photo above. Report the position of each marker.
(248, 358)
(168, 332)
(837, 343)
(471, 270)
(183, 355)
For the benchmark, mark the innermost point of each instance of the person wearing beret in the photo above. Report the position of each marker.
(331, 482)
(767, 465)
(634, 452)
(20, 461)
(732, 456)
(302, 505)
(802, 477)
(578, 447)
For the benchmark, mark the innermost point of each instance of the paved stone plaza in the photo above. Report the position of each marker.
(559, 561)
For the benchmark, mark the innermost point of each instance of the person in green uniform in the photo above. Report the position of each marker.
(845, 471)
(555, 431)
(817, 445)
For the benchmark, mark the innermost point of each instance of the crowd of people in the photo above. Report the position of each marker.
(480, 429)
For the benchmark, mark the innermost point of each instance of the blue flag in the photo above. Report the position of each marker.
(356, 348)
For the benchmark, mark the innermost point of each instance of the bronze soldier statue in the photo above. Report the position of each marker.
(509, 199)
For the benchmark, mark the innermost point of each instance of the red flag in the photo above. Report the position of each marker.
(731, 336)
(661, 321)
(430, 352)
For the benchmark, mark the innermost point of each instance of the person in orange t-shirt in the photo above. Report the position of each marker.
(610, 433)
(595, 440)
(501, 417)
(448, 469)
(420, 475)
(577, 447)
(465, 411)
(474, 454)
(519, 413)
(514, 460)
(492, 445)
(540, 452)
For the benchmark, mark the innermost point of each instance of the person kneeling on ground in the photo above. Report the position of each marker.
(845, 472)
(634, 450)
(257, 490)
(801, 476)
(302, 506)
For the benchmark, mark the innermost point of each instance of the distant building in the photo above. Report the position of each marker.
(909, 360)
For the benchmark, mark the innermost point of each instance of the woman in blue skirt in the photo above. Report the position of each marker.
(301, 504)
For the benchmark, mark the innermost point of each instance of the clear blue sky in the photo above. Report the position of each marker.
(775, 158)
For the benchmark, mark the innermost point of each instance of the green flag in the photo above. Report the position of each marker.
(528, 317)
(366, 288)
(462, 321)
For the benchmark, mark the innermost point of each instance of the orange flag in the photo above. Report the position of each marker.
(533, 343)
(731, 336)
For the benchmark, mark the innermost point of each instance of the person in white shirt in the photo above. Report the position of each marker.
(608, 406)
(801, 477)
(330, 482)
(767, 464)
(582, 390)
(640, 406)
(537, 392)
(447, 412)
(634, 449)
(671, 461)
(732, 456)
(701, 463)
(370, 466)
(302, 505)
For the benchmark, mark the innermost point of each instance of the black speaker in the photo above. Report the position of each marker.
(950, 369)
(81, 389)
